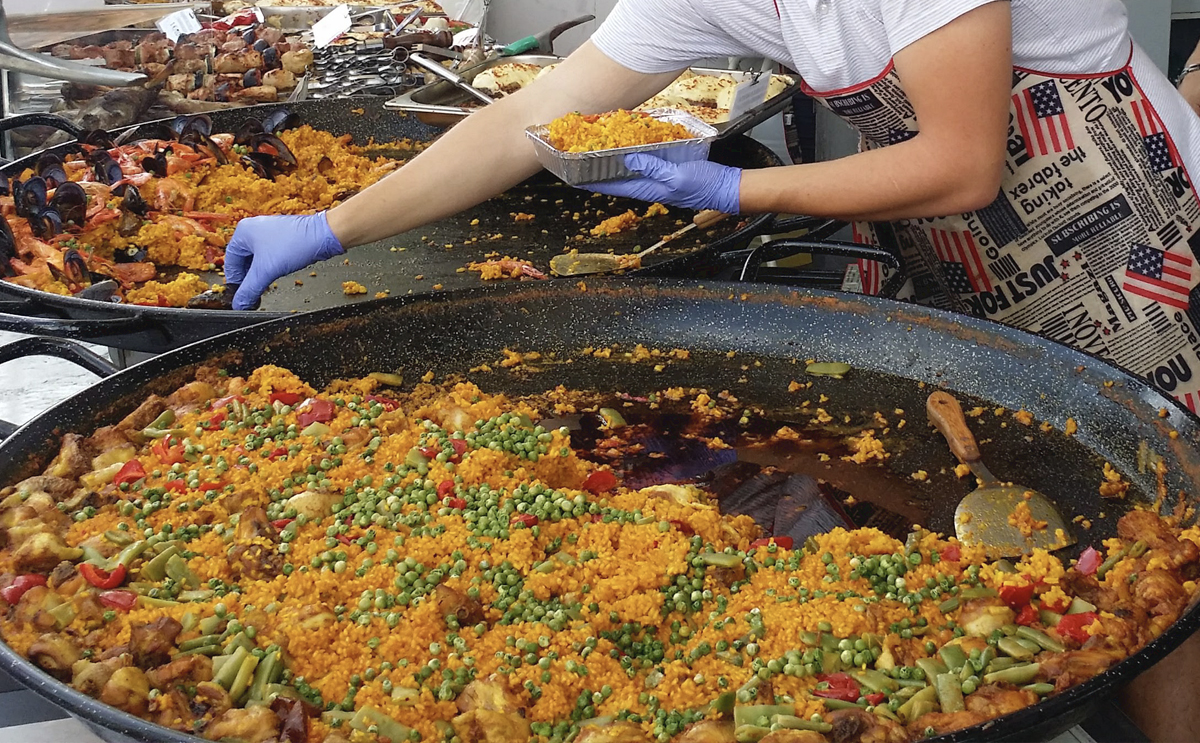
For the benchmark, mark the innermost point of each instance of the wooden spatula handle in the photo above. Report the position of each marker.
(708, 218)
(947, 415)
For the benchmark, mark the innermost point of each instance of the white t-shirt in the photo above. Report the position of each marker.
(838, 44)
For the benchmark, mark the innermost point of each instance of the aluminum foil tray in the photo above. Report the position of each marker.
(609, 165)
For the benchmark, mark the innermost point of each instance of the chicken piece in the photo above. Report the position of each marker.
(127, 689)
(54, 654)
(63, 574)
(251, 725)
(74, 458)
(490, 694)
(1089, 589)
(239, 62)
(258, 94)
(293, 719)
(233, 46)
(982, 617)
(185, 82)
(143, 415)
(151, 643)
(119, 59)
(90, 678)
(297, 60)
(108, 437)
(190, 397)
(613, 732)
(714, 731)
(56, 487)
(314, 504)
(488, 726)
(178, 711)
(943, 722)
(248, 557)
(270, 35)
(335, 737)
(784, 736)
(994, 701)
(41, 552)
(280, 79)
(466, 610)
(1159, 593)
(1149, 528)
(1075, 666)
(185, 669)
(860, 726)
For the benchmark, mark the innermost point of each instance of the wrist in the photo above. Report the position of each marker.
(1191, 68)
(340, 227)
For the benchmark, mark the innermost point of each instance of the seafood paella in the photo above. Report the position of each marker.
(252, 559)
(107, 219)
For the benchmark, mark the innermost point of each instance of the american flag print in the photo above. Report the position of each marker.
(1159, 147)
(1043, 120)
(1163, 277)
(961, 263)
(870, 273)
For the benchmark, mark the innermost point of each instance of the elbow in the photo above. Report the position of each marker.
(975, 188)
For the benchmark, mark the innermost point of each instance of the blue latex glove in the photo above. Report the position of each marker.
(264, 248)
(696, 185)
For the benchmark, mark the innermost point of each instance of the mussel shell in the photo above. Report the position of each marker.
(108, 171)
(211, 300)
(200, 123)
(5, 188)
(70, 201)
(8, 248)
(31, 196)
(76, 268)
(132, 254)
(261, 45)
(156, 164)
(98, 138)
(133, 203)
(215, 149)
(101, 291)
(252, 78)
(247, 130)
(271, 58)
(284, 155)
(50, 167)
(260, 163)
(279, 120)
(45, 223)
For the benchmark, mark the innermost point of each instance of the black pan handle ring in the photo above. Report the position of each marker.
(78, 329)
(41, 119)
(60, 348)
(818, 228)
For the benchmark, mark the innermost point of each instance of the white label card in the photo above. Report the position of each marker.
(329, 28)
(178, 23)
(748, 94)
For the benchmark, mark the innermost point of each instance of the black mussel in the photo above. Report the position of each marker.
(249, 36)
(45, 223)
(279, 120)
(16, 187)
(221, 93)
(98, 138)
(247, 130)
(107, 170)
(177, 125)
(272, 145)
(128, 225)
(76, 269)
(156, 164)
(199, 123)
(5, 189)
(271, 58)
(213, 300)
(8, 248)
(261, 45)
(214, 149)
(133, 202)
(157, 130)
(261, 164)
(252, 78)
(132, 254)
(50, 167)
(101, 291)
(70, 201)
(30, 196)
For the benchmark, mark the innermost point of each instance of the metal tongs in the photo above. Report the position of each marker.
(449, 76)
(14, 58)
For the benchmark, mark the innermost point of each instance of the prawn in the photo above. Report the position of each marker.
(506, 268)
(171, 195)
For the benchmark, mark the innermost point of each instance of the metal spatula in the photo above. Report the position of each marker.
(576, 264)
(982, 517)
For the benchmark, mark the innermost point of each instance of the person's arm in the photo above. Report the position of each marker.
(959, 81)
(1189, 84)
(488, 152)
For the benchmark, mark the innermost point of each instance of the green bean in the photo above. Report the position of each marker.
(1041, 638)
(155, 603)
(791, 722)
(978, 592)
(262, 675)
(203, 594)
(178, 570)
(1017, 675)
(750, 733)
(876, 681)
(227, 672)
(750, 714)
(1040, 689)
(1004, 566)
(1049, 618)
(188, 621)
(241, 682)
(156, 569)
(1110, 563)
(910, 684)
(949, 693)
(131, 553)
(999, 664)
(926, 696)
(405, 696)
(239, 641)
(209, 625)
(200, 641)
(1010, 647)
(209, 650)
(968, 670)
(835, 704)
(367, 717)
(931, 666)
(1138, 549)
(948, 605)
(953, 657)
(119, 538)
(1029, 645)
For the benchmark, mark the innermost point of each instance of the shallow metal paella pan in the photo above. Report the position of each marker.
(421, 264)
(898, 353)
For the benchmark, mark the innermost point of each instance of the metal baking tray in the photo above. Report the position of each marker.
(442, 104)
(609, 165)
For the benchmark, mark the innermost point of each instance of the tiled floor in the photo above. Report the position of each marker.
(29, 386)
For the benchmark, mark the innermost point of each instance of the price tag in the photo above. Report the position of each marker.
(749, 93)
(328, 29)
(178, 23)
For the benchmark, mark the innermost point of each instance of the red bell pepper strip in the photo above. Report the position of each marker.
(177, 485)
(459, 503)
(1058, 608)
(1017, 596)
(1089, 561)
(287, 398)
(122, 600)
(528, 519)
(460, 448)
(841, 686)
(222, 402)
(207, 486)
(1028, 615)
(600, 481)
(952, 553)
(876, 699)
(215, 421)
(385, 403)
(13, 592)
(444, 488)
(1075, 626)
(280, 451)
(167, 454)
(429, 452)
(101, 578)
(784, 542)
(281, 523)
(318, 411)
(343, 539)
(130, 473)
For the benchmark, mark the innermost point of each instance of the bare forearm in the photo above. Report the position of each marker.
(898, 182)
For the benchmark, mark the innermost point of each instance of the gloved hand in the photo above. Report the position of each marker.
(696, 185)
(264, 248)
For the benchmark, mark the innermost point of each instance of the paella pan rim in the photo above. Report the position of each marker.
(1055, 713)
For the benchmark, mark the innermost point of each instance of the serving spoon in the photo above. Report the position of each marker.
(982, 517)
(577, 264)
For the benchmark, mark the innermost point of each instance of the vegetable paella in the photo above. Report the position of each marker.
(250, 559)
(106, 220)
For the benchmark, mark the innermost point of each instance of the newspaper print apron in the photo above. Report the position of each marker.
(1093, 239)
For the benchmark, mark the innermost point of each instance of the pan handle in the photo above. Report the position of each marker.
(78, 329)
(818, 228)
(60, 348)
(41, 119)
